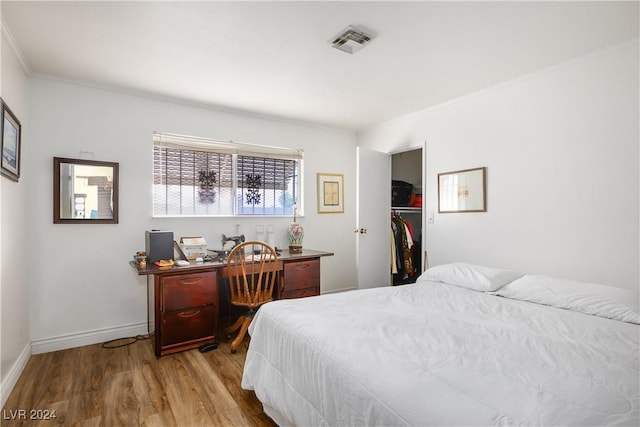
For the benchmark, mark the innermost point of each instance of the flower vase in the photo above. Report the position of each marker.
(295, 233)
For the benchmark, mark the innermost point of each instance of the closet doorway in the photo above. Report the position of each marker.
(407, 247)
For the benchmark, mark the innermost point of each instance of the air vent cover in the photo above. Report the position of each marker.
(351, 39)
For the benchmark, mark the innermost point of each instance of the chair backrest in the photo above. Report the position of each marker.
(252, 268)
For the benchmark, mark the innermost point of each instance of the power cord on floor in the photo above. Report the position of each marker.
(123, 342)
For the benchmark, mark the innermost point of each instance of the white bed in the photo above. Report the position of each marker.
(434, 353)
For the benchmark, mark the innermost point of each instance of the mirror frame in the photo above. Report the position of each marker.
(57, 161)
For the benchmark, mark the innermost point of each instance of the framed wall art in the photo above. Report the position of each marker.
(11, 132)
(462, 191)
(330, 193)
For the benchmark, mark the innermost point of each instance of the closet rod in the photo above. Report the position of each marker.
(406, 209)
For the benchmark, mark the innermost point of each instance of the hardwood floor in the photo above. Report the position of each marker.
(129, 386)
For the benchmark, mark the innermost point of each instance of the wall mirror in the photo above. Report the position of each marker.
(85, 191)
(462, 191)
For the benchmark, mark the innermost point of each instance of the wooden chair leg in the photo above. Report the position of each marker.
(243, 330)
(237, 324)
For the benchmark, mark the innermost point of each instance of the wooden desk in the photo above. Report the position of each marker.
(189, 302)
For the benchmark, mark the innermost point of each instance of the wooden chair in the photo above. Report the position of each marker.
(251, 269)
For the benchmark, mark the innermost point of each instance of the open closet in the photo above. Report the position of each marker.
(406, 240)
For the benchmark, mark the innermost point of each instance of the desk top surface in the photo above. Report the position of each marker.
(193, 267)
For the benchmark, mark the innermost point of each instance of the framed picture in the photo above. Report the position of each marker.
(462, 191)
(11, 131)
(330, 193)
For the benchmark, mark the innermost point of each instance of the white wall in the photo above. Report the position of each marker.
(561, 148)
(14, 254)
(82, 289)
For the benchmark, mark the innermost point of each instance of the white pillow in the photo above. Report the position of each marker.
(475, 277)
(588, 298)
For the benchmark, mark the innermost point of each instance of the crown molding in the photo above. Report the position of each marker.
(190, 103)
(6, 34)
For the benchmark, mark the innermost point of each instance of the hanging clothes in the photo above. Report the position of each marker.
(397, 247)
(394, 263)
(402, 246)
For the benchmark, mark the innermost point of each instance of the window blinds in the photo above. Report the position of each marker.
(197, 176)
(179, 142)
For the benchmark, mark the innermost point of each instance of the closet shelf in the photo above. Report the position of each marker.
(405, 209)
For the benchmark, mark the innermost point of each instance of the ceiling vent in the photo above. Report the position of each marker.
(350, 40)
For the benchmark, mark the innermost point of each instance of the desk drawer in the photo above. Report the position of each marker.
(184, 291)
(301, 275)
(300, 293)
(189, 325)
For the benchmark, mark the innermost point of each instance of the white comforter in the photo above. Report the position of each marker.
(436, 354)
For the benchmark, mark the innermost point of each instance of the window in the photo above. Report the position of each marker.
(200, 177)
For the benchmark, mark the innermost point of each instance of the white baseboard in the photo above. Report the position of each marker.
(62, 342)
(7, 385)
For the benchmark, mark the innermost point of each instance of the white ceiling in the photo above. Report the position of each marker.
(273, 58)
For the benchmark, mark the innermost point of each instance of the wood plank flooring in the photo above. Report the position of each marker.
(129, 386)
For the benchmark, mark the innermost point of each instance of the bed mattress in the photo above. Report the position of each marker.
(436, 354)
